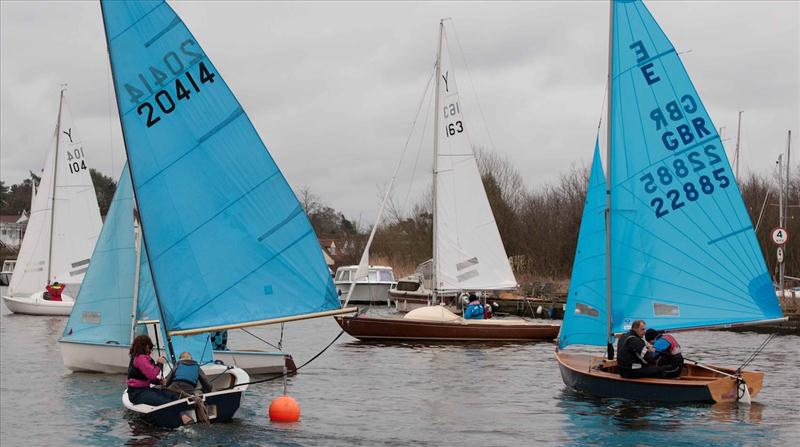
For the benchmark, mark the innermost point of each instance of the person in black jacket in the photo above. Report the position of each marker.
(634, 358)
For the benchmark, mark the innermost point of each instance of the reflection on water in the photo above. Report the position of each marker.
(396, 394)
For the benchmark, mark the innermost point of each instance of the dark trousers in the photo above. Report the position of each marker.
(150, 396)
(643, 372)
(673, 364)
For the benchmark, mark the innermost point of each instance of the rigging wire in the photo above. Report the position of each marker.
(421, 142)
(288, 373)
(278, 347)
(755, 353)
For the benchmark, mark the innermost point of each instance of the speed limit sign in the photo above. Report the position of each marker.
(780, 236)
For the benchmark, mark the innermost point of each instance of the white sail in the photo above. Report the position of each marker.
(65, 219)
(468, 251)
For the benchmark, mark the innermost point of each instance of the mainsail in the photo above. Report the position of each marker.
(468, 251)
(683, 250)
(227, 241)
(585, 317)
(65, 220)
(103, 307)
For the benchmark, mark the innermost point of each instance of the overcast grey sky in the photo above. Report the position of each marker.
(333, 87)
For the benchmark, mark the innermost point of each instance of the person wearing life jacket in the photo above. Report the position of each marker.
(54, 291)
(143, 372)
(634, 358)
(474, 309)
(186, 375)
(667, 352)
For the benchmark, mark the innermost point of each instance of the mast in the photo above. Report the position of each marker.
(170, 349)
(53, 191)
(138, 249)
(610, 346)
(436, 156)
(738, 139)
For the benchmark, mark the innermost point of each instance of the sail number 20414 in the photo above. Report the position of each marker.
(182, 90)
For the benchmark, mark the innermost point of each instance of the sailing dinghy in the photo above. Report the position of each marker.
(62, 228)
(468, 254)
(117, 292)
(667, 239)
(206, 189)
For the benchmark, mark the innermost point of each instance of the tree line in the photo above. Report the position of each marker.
(539, 226)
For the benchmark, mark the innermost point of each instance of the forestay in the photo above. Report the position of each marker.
(65, 220)
(469, 253)
(102, 310)
(683, 250)
(585, 317)
(228, 241)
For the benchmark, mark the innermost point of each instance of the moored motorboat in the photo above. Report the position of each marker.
(438, 323)
(372, 287)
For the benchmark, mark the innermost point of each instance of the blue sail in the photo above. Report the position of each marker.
(683, 250)
(228, 241)
(147, 309)
(103, 307)
(585, 317)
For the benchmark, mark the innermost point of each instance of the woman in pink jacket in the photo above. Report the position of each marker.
(143, 371)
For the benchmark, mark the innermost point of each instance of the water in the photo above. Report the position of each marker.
(398, 394)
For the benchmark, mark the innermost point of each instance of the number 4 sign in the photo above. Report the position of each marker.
(779, 236)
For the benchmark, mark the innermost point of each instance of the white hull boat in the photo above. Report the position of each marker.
(36, 305)
(114, 359)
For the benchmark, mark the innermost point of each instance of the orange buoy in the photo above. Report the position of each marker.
(284, 409)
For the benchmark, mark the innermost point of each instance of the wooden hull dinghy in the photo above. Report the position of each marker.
(35, 304)
(220, 406)
(438, 323)
(599, 377)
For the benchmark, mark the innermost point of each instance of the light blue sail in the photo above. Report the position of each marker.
(683, 249)
(228, 241)
(147, 309)
(103, 307)
(585, 317)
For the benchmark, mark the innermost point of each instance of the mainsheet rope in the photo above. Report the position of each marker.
(288, 373)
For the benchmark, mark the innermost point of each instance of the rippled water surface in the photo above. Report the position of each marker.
(398, 394)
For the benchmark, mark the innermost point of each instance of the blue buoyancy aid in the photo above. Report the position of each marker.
(666, 344)
(187, 371)
(474, 312)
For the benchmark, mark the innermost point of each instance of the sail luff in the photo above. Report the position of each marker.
(608, 176)
(133, 176)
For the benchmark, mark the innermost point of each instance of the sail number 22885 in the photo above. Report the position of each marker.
(164, 102)
(686, 179)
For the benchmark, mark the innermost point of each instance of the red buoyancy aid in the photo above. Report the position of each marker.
(55, 292)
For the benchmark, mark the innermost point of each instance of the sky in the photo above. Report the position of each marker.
(333, 87)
